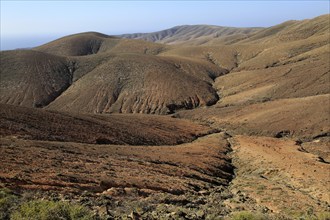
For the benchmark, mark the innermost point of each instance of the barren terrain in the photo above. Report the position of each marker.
(75, 167)
(193, 122)
(97, 129)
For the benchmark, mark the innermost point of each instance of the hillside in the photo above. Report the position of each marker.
(303, 118)
(31, 78)
(292, 74)
(144, 84)
(39, 124)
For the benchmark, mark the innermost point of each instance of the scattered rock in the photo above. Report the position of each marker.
(284, 133)
(134, 215)
(200, 214)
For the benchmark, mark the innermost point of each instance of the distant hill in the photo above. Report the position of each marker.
(186, 33)
(92, 42)
(211, 35)
(292, 31)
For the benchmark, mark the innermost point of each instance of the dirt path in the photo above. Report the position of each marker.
(276, 175)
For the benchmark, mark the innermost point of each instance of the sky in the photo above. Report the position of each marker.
(27, 24)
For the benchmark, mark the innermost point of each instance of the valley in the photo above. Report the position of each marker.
(192, 122)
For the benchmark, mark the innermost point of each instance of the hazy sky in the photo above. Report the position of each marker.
(30, 23)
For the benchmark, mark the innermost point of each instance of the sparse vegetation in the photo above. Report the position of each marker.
(8, 203)
(14, 207)
(248, 216)
(50, 210)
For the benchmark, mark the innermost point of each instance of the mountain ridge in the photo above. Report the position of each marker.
(189, 31)
(191, 34)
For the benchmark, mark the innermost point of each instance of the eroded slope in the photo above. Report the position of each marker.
(31, 78)
(131, 83)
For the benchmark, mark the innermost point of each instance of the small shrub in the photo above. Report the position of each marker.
(323, 216)
(317, 216)
(50, 210)
(248, 216)
(8, 202)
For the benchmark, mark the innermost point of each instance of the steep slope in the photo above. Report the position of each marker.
(301, 76)
(192, 33)
(274, 68)
(265, 48)
(31, 78)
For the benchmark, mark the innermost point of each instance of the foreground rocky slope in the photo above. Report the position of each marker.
(116, 180)
(76, 167)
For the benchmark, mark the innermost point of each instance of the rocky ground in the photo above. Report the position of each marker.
(279, 176)
(263, 175)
